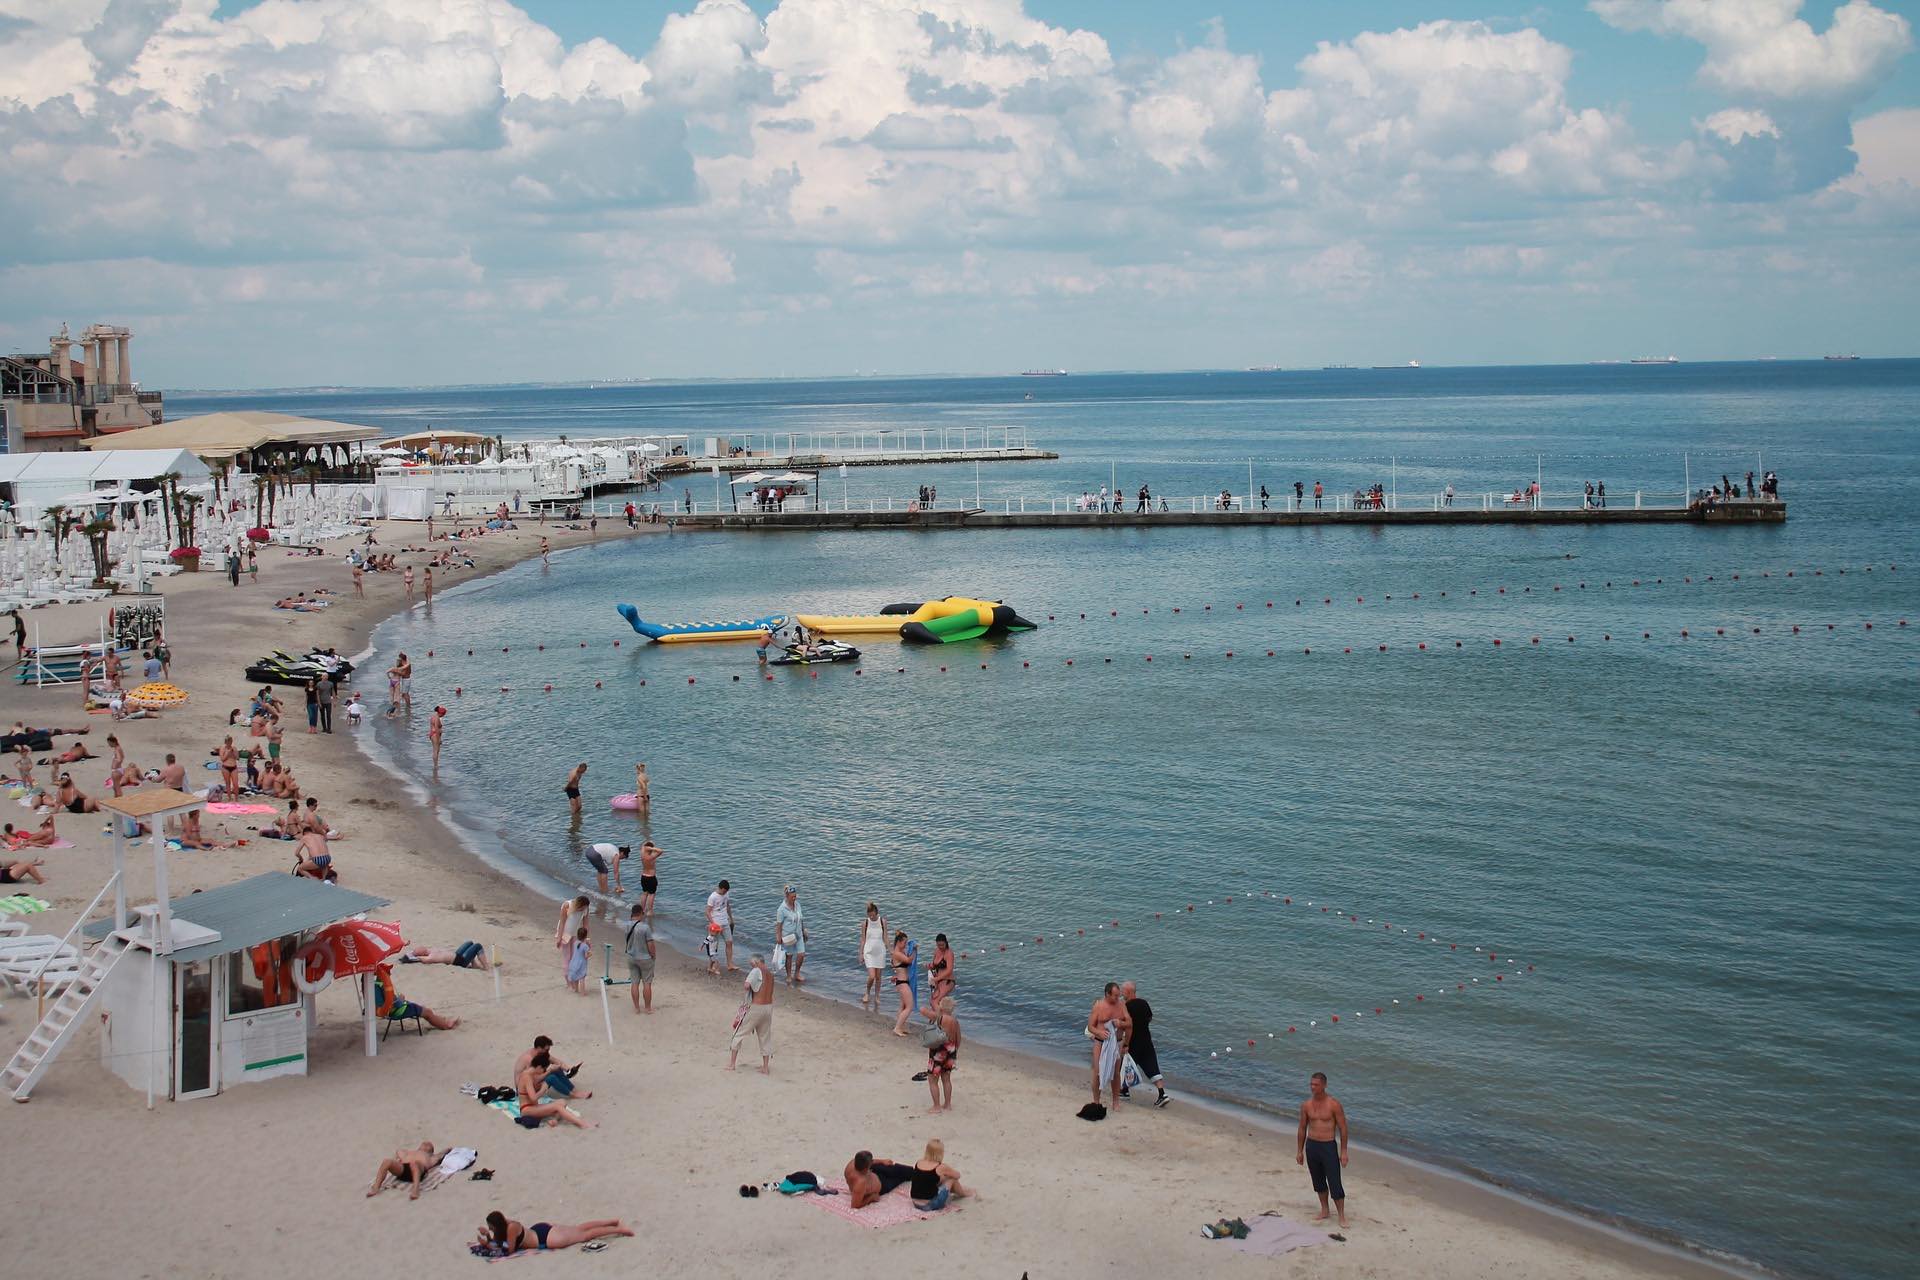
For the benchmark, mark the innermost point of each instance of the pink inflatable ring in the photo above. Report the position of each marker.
(626, 801)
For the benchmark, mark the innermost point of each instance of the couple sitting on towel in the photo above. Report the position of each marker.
(930, 1181)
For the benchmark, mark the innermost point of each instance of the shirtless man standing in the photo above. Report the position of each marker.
(1109, 1024)
(649, 876)
(571, 788)
(1321, 1118)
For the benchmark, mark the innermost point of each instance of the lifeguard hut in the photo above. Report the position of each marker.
(195, 993)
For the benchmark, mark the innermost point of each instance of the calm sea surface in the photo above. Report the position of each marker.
(1704, 847)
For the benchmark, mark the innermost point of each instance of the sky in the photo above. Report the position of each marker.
(416, 192)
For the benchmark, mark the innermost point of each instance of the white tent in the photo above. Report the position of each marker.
(41, 480)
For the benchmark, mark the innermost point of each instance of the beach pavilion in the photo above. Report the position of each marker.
(253, 440)
(197, 993)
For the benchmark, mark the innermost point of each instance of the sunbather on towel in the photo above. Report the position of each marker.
(532, 1083)
(405, 1165)
(502, 1236)
(868, 1179)
(40, 837)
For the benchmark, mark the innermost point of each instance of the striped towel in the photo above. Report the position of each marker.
(21, 905)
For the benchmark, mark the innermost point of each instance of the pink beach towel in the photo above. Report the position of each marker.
(228, 806)
(889, 1210)
(1272, 1236)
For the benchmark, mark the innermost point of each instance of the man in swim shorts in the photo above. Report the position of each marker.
(605, 859)
(649, 880)
(571, 788)
(1321, 1119)
(720, 927)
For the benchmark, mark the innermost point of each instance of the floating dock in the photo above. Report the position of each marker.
(1725, 513)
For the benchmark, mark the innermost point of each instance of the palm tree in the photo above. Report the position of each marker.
(169, 488)
(97, 531)
(57, 514)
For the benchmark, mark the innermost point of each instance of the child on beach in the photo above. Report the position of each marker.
(577, 962)
(354, 711)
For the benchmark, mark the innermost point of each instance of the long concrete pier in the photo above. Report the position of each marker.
(1726, 513)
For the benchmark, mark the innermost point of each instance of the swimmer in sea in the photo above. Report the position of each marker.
(642, 789)
(571, 788)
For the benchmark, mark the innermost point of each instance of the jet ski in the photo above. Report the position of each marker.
(281, 667)
(820, 651)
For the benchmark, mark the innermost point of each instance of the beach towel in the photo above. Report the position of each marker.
(889, 1210)
(1272, 1236)
(229, 806)
(20, 904)
(1110, 1053)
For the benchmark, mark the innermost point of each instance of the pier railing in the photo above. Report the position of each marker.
(1069, 504)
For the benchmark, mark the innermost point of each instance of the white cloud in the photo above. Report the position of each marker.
(847, 161)
(1764, 49)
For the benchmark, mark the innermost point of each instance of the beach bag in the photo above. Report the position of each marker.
(779, 955)
(933, 1037)
(1130, 1076)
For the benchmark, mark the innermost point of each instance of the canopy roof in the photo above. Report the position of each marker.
(75, 470)
(250, 912)
(222, 435)
(418, 438)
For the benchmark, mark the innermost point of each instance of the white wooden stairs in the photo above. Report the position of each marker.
(64, 1016)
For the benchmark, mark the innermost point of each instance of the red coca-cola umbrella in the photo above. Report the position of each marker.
(344, 949)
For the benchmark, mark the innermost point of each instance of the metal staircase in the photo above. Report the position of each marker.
(63, 1017)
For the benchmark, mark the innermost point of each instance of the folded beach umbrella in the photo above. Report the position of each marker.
(358, 946)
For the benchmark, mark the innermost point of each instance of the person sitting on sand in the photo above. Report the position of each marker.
(191, 837)
(468, 955)
(310, 856)
(532, 1083)
(69, 797)
(559, 1078)
(41, 837)
(868, 1179)
(390, 1004)
(405, 1165)
(23, 871)
(505, 1237)
(934, 1182)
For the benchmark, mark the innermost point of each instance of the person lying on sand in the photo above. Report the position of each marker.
(21, 872)
(405, 1165)
(40, 837)
(868, 1179)
(468, 955)
(505, 1237)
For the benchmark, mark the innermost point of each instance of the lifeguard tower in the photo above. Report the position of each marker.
(195, 993)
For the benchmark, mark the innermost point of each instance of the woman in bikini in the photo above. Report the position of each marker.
(902, 979)
(504, 1233)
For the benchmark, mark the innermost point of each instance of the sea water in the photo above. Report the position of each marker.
(1698, 851)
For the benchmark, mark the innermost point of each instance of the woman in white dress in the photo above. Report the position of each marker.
(873, 952)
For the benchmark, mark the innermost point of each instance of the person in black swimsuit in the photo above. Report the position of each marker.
(571, 789)
(503, 1234)
(902, 957)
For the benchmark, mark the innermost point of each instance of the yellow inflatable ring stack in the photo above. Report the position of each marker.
(157, 694)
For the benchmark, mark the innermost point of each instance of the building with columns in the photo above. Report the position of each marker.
(57, 400)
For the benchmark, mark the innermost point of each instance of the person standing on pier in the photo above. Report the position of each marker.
(1600, 494)
(1316, 495)
(1263, 497)
(1322, 1118)
(1299, 495)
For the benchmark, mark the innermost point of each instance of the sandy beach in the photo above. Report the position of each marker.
(276, 1173)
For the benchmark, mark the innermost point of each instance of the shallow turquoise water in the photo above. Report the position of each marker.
(1702, 845)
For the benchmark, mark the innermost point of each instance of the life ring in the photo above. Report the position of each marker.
(626, 800)
(306, 985)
